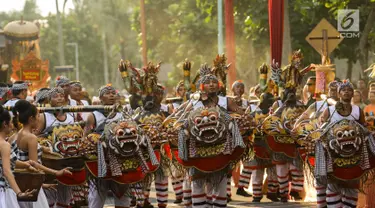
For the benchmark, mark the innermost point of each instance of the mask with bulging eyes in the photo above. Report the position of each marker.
(347, 138)
(206, 125)
(67, 139)
(123, 138)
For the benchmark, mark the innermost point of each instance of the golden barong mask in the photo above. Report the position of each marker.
(346, 138)
(67, 139)
(123, 137)
(206, 125)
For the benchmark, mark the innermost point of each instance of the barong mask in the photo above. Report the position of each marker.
(345, 138)
(123, 138)
(65, 140)
(207, 126)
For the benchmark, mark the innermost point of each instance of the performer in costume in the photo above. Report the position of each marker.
(317, 108)
(63, 82)
(209, 188)
(97, 121)
(281, 123)
(287, 164)
(309, 91)
(75, 93)
(47, 121)
(254, 169)
(27, 147)
(75, 99)
(146, 95)
(180, 97)
(152, 117)
(9, 190)
(238, 89)
(346, 139)
(19, 92)
(42, 96)
(177, 177)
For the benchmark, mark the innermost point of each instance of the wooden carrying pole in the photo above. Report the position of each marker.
(80, 108)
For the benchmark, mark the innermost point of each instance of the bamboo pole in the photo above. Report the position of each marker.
(80, 108)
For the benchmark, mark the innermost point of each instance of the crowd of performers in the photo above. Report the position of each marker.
(62, 151)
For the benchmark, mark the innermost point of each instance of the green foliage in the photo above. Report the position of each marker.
(177, 30)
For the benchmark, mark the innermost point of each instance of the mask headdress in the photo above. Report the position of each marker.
(297, 54)
(54, 91)
(62, 80)
(150, 79)
(220, 70)
(102, 90)
(346, 83)
(206, 74)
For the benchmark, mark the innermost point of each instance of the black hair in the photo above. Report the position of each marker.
(22, 111)
(17, 92)
(4, 116)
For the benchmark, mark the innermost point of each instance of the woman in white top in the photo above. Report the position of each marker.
(9, 190)
(27, 147)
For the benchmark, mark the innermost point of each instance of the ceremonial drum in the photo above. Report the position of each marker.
(66, 144)
(27, 180)
(207, 143)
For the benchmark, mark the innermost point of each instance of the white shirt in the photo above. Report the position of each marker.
(164, 108)
(73, 102)
(223, 102)
(320, 106)
(100, 118)
(11, 103)
(51, 120)
(335, 116)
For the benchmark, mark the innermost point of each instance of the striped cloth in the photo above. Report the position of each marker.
(24, 155)
(3, 182)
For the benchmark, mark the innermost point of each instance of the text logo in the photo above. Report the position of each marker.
(348, 20)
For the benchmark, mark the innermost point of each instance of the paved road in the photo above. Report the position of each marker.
(238, 201)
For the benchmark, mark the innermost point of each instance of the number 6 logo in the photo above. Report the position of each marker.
(348, 20)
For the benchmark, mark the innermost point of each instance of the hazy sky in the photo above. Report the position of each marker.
(45, 6)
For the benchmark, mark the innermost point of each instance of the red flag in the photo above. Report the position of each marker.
(276, 22)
